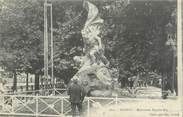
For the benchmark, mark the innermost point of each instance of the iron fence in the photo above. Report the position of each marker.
(56, 106)
(48, 106)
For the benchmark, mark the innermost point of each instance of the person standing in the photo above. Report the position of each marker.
(166, 88)
(1, 93)
(2, 87)
(131, 82)
(77, 94)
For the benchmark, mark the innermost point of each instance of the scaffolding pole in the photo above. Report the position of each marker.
(45, 45)
(52, 62)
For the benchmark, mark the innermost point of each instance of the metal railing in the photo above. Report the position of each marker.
(56, 106)
(42, 92)
(48, 106)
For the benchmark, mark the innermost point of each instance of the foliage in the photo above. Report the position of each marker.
(134, 35)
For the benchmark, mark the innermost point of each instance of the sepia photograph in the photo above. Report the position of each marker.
(91, 58)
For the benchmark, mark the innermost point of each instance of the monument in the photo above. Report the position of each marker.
(93, 72)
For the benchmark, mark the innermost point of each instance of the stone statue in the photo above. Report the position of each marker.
(93, 71)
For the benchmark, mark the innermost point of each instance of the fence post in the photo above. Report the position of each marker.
(62, 106)
(88, 102)
(116, 100)
(13, 103)
(37, 106)
(3, 102)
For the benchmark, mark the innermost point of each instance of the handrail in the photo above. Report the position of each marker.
(35, 91)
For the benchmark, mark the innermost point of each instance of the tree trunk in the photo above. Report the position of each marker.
(42, 85)
(36, 83)
(14, 81)
(27, 82)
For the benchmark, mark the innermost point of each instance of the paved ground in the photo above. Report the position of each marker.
(148, 103)
(141, 108)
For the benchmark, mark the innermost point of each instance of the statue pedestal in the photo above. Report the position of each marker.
(95, 79)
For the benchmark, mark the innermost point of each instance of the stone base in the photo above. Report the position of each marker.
(101, 93)
(96, 80)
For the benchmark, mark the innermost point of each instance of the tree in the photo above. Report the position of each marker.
(24, 23)
(20, 36)
(137, 36)
(133, 34)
